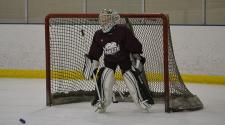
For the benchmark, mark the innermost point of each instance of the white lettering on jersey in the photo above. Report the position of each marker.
(111, 48)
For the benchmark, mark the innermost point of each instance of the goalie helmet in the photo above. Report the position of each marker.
(107, 19)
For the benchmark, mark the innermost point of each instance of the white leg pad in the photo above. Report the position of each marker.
(131, 83)
(134, 90)
(107, 82)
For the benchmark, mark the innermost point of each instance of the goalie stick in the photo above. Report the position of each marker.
(94, 77)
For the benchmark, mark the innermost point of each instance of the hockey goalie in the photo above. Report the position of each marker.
(120, 48)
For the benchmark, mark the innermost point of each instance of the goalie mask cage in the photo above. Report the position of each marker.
(68, 38)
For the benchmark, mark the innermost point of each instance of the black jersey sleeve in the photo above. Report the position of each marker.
(132, 44)
(96, 49)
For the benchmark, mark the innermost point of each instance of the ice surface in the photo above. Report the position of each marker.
(25, 98)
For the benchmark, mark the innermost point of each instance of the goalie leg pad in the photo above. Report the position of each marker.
(138, 69)
(132, 85)
(105, 82)
(140, 94)
(143, 86)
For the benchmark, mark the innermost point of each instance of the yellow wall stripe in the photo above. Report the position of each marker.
(8, 73)
(209, 79)
(192, 78)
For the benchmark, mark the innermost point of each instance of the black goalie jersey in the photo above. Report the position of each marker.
(116, 45)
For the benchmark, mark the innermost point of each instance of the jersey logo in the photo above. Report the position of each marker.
(111, 48)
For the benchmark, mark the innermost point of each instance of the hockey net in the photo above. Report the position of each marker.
(68, 38)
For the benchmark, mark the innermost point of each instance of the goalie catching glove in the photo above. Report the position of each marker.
(90, 67)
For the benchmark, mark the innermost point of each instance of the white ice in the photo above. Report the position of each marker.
(25, 98)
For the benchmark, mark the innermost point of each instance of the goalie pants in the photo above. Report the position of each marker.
(105, 81)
